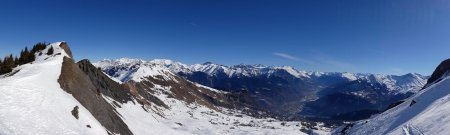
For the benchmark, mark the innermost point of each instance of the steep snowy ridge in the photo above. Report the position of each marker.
(424, 113)
(34, 103)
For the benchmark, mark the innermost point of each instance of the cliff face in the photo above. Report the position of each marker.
(439, 72)
(88, 85)
(103, 84)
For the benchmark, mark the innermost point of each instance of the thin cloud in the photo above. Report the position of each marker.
(194, 24)
(293, 58)
(397, 70)
(325, 59)
(338, 64)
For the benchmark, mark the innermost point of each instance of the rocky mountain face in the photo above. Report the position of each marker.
(82, 82)
(284, 92)
(441, 71)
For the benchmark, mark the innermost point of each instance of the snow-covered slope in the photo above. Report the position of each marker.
(32, 101)
(424, 113)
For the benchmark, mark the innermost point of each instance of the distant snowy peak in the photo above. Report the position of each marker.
(125, 69)
(119, 62)
(411, 82)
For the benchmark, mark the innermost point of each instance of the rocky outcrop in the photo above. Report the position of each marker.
(66, 48)
(87, 91)
(104, 85)
(439, 72)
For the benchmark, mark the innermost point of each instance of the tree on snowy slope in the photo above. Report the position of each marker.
(26, 56)
(7, 64)
(50, 51)
(38, 47)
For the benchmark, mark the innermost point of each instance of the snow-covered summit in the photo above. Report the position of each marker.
(125, 69)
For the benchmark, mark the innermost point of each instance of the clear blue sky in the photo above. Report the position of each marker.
(374, 36)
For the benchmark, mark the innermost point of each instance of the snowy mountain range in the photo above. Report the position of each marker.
(398, 84)
(282, 90)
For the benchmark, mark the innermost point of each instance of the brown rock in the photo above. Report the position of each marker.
(75, 112)
(74, 81)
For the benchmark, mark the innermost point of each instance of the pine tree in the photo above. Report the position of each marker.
(38, 47)
(7, 65)
(24, 56)
(4, 68)
(21, 58)
(50, 51)
(1, 66)
(16, 61)
(31, 57)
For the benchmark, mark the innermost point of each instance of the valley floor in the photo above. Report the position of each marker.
(184, 118)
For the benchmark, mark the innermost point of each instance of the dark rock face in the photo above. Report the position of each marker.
(104, 85)
(76, 82)
(440, 71)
